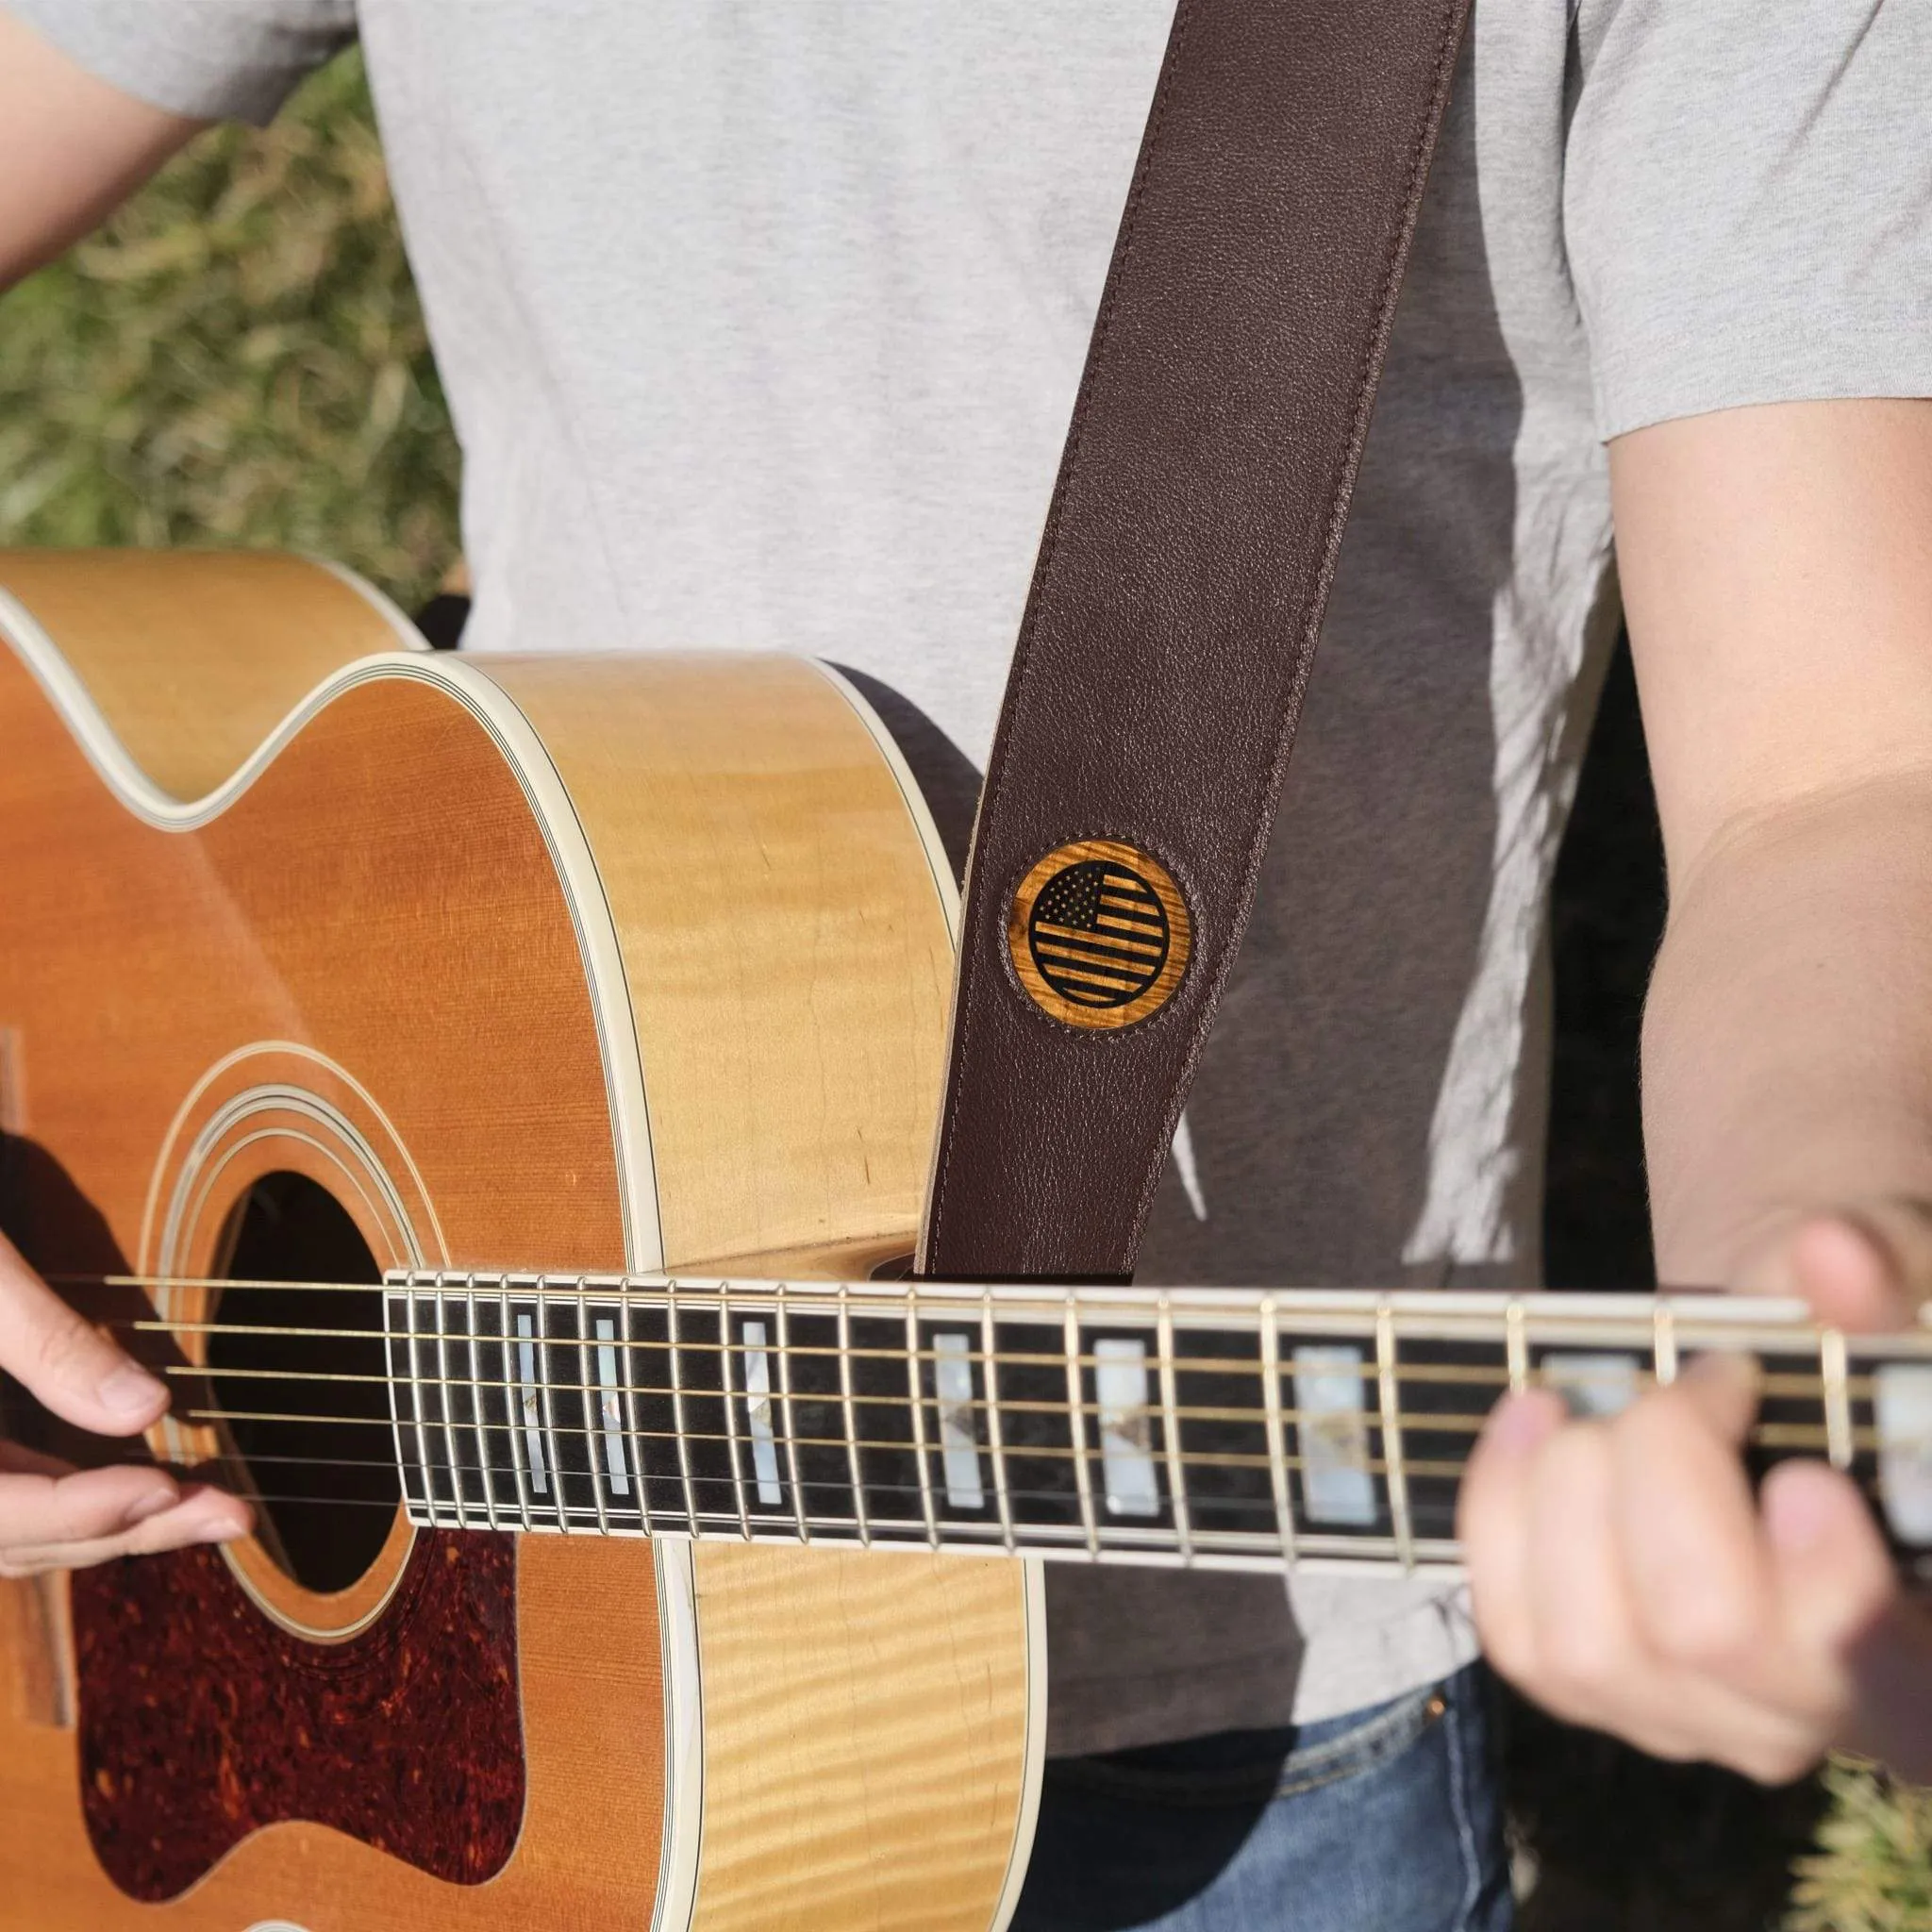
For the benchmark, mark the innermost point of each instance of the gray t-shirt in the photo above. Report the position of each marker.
(761, 324)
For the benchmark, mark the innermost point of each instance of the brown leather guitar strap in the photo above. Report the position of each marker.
(1185, 561)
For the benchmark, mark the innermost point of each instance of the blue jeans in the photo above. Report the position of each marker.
(1386, 1819)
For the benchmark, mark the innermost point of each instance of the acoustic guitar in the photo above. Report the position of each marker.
(498, 1093)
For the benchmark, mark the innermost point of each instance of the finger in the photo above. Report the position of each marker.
(1492, 1521)
(201, 1516)
(1834, 1578)
(71, 1368)
(86, 1504)
(1594, 1665)
(1687, 1523)
(1590, 1662)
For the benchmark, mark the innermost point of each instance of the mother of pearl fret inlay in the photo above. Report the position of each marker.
(1337, 1484)
(1592, 1385)
(532, 1404)
(611, 1404)
(952, 1374)
(1901, 1405)
(1126, 1455)
(757, 1403)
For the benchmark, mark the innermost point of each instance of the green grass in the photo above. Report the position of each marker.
(239, 360)
(1873, 1869)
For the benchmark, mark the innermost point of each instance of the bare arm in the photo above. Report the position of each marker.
(1778, 565)
(1777, 570)
(71, 148)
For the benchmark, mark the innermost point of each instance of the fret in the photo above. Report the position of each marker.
(630, 1356)
(1076, 1427)
(1038, 1460)
(510, 1410)
(872, 1360)
(1170, 1435)
(416, 1409)
(588, 1382)
(848, 1415)
(731, 1417)
(1837, 1407)
(546, 1408)
(1516, 1346)
(798, 1497)
(1214, 1431)
(1664, 1343)
(1445, 1388)
(815, 1415)
(661, 1448)
(932, 1531)
(995, 1439)
(1278, 1441)
(449, 1433)
(1394, 1479)
(673, 1352)
(477, 1406)
(405, 1476)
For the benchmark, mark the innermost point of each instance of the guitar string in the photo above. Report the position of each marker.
(1775, 1383)
(1061, 1500)
(1447, 1420)
(1017, 1307)
(1768, 1435)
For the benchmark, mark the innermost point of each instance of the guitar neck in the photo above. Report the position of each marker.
(1222, 1429)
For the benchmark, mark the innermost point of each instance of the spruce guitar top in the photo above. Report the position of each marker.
(336, 978)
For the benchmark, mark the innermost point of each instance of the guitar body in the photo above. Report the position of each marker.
(626, 962)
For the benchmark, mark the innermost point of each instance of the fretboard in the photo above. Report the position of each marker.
(1222, 1429)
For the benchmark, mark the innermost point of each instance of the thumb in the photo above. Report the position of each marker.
(66, 1364)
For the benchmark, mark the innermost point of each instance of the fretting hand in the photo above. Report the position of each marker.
(1626, 1577)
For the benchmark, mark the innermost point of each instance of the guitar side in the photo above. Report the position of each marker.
(627, 962)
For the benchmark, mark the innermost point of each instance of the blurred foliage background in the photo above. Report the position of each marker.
(239, 360)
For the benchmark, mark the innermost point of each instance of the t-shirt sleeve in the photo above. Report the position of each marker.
(1748, 201)
(214, 60)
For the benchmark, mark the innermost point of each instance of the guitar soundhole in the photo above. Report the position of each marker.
(297, 1379)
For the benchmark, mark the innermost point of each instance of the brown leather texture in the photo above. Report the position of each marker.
(1186, 562)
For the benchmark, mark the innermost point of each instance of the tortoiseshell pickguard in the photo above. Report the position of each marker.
(201, 1721)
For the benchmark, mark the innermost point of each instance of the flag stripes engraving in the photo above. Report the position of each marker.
(1098, 933)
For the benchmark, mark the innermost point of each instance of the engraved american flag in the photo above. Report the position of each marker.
(1098, 933)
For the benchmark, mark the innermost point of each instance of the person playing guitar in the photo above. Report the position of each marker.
(760, 326)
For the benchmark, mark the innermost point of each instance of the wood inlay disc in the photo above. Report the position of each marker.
(1099, 934)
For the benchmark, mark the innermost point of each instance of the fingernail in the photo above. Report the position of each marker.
(149, 1502)
(222, 1533)
(129, 1390)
